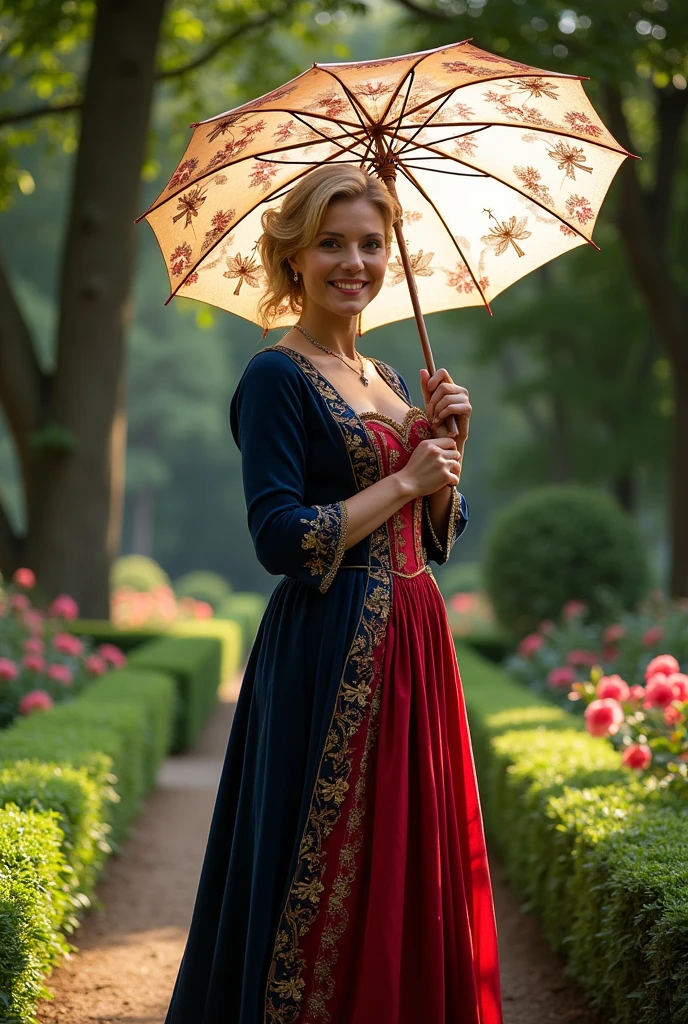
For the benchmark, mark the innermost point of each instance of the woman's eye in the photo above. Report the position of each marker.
(373, 241)
(326, 242)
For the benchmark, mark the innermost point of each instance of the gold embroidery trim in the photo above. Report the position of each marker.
(326, 540)
(454, 510)
(337, 916)
(401, 428)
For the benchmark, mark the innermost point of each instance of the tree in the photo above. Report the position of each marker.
(637, 58)
(98, 70)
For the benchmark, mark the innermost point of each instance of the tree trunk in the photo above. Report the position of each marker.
(624, 491)
(679, 482)
(75, 519)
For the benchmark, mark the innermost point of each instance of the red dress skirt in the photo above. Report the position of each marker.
(406, 930)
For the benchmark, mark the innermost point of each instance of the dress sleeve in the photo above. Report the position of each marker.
(438, 549)
(267, 421)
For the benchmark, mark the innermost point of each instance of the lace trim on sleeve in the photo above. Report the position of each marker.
(326, 539)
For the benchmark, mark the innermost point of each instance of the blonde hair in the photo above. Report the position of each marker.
(295, 224)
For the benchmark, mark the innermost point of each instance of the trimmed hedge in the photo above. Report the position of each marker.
(226, 632)
(600, 858)
(246, 608)
(85, 766)
(195, 665)
(32, 904)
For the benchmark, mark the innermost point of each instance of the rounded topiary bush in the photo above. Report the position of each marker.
(204, 586)
(562, 543)
(246, 608)
(138, 572)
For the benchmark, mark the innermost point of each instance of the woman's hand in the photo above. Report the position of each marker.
(444, 398)
(434, 464)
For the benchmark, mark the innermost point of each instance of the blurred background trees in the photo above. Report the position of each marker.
(576, 378)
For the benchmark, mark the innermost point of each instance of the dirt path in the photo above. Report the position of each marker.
(129, 952)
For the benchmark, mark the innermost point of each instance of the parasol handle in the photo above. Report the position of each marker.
(387, 172)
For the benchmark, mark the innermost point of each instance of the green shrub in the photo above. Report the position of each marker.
(247, 609)
(33, 904)
(86, 766)
(595, 853)
(203, 586)
(137, 572)
(460, 578)
(228, 633)
(195, 664)
(555, 544)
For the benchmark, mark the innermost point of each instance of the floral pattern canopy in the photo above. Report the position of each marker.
(499, 167)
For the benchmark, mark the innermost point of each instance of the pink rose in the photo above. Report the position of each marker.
(203, 610)
(8, 670)
(613, 686)
(679, 681)
(637, 755)
(64, 607)
(582, 658)
(603, 717)
(19, 602)
(61, 674)
(96, 665)
(68, 644)
(33, 620)
(662, 665)
(530, 644)
(653, 636)
(34, 645)
(611, 653)
(659, 692)
(112, 655)
(34, 663)
(573, 610)
(461, 602)
(637, 693)
(561, 677)
(36, 700)
(614, 633)
(546, 626)
(25, 578)
(672, 715)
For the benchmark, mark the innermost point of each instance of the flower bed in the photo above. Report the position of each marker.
(595, 852)
(41, 662)
(559, 654)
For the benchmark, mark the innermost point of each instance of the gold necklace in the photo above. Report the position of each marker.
(360, 372)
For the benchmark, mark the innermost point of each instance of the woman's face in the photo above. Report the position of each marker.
(344, 266)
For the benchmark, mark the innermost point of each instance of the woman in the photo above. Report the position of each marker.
(345, 879)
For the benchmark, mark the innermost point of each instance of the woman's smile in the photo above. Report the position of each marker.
(352, 287)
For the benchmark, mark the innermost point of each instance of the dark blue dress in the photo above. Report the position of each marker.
(306, 690)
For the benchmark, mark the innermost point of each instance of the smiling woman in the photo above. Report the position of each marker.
(346, 879)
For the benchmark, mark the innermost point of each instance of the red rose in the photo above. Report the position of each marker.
(637, 755)
(613, 686)
(564, 676)
(25, 578)
(530, 644)
(652, 636)
(659, 692)
(603, 717)
(662, 665)
(679, 681)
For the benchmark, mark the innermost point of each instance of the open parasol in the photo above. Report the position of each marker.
(498, 168)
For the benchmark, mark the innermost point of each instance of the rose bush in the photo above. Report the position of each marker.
(557, 654)
(646, 723)
(41, 662)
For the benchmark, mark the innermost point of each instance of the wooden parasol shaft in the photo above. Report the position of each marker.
(387, 173)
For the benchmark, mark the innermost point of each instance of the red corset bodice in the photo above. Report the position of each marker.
(394, 444)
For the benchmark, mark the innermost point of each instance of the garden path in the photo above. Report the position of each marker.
(129, 951)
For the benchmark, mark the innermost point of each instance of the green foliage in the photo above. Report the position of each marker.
(138, 572)
(555, 544)
(33, 904)
(204, 586)
(195, 665)
(460, 578)
(598, 856)
(247, 609)
(72, 780)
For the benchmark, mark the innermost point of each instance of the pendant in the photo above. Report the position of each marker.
(365, 381)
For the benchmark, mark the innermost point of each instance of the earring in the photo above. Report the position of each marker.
(296, 275)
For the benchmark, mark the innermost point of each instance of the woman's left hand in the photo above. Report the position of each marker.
(444, 398)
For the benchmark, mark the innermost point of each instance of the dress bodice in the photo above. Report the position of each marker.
(394, 443)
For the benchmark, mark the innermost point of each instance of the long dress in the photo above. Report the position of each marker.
(345, 879)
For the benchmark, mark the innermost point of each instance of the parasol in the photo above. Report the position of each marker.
(498, 168)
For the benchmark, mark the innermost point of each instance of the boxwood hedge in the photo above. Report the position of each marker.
(598, 856)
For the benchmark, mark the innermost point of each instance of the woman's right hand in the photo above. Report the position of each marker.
(435, 462)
